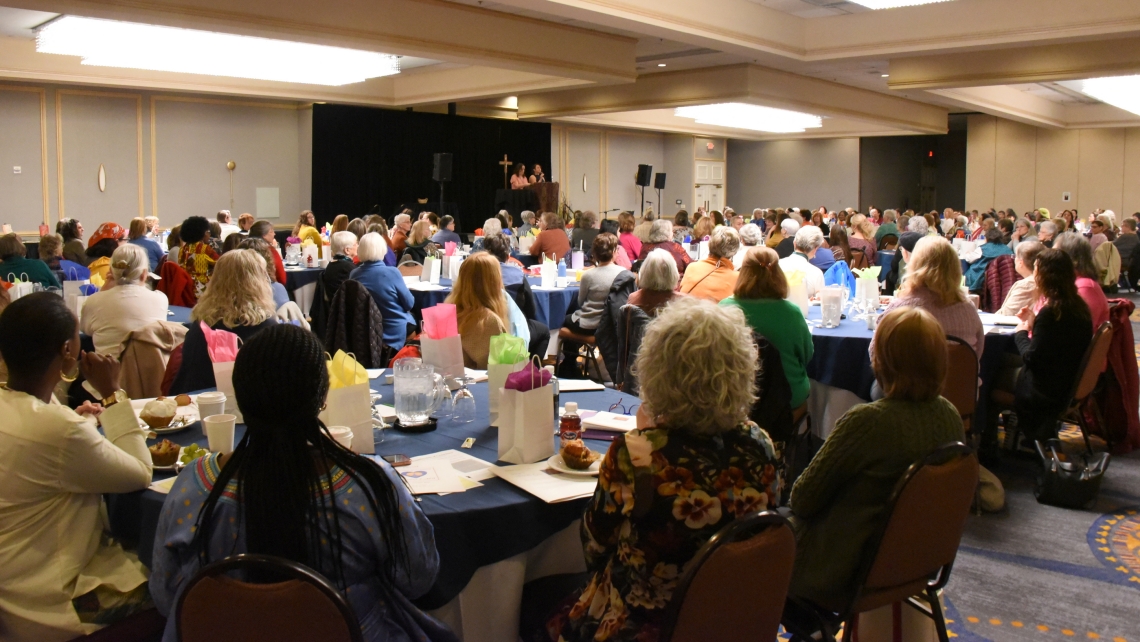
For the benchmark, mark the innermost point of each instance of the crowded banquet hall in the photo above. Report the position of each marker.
(540, 320)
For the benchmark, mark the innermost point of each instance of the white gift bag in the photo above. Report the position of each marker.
(224, 382)
(445, 355)
(496, 377)
(309, 252)
(577, 260)
(703, 252)
(450, 268)
(352, 406)
(526, 425)
(524, 244)
(21, 286)
(548, 272)
(432, 268)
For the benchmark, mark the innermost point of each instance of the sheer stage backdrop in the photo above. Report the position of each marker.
(364, 157)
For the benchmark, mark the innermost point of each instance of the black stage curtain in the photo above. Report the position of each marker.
(365, 157)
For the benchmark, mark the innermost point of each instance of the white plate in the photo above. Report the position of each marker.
(187, 414)
(556, 463)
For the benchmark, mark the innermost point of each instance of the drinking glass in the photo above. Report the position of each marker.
(463, 403)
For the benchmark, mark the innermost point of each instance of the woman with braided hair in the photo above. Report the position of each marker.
(291, 491)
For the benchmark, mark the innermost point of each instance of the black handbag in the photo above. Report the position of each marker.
(1073, 483)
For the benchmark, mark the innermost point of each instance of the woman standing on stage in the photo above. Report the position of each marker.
(519, 181)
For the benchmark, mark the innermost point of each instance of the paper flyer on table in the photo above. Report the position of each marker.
(164, 485)
(427, 476)
(610, 421)
(548, 485)
(467, 466)
(426, 286)
(578, 385)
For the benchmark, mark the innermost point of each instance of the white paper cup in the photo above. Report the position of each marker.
(342, 435)
(219, 431)
(211, 403)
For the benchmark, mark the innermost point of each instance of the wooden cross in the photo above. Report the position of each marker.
(506, 168)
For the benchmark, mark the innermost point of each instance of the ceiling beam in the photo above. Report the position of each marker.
(1045, 63)
(425, 28)
(740, 83)
(1006, 102)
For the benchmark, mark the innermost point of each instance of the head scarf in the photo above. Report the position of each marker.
(107, 231)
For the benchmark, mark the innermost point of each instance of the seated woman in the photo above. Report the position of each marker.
(264, 230)
(73, 248)
(584, 232)
(656, 283)
(239, 300)
(1062, 331)
(551, 240)
(62, 577)
(620, 256)
(480, 307)
(386, 285)
(681, 227)
(360, 527)
(592, 292)
(660, 236)
(51, 252)
(714, 278)
(933, 278)
(419, 242)
(991, 249)
(306, 228)
(111, 315)
(138, 235)
(14, 264)
(196, 255)
(862, 236)
(629, 241)
(343, 247)
(840, 500)
(518, 288)
(1078, 249)
(490, 226)
(99, 254)
(695, 404)
(280, 294)
(1024, 292)
(761, 292)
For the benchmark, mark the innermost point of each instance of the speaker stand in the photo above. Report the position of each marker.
(659, 212)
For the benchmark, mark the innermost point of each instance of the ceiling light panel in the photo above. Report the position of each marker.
(1118, 91)
(110, 43)
(753, 117)
(891, 4)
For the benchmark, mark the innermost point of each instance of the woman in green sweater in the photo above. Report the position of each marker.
(840, 500)
(760, 292)
(15, 265)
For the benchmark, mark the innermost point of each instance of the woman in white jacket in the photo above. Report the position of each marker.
(60, 575)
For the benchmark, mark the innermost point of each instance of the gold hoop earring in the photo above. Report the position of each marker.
(73, 377)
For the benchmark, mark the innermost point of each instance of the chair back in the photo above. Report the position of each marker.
(735, 586)
(928, 511)
(303, 606)
(410, 268)
(961, 385)
(859, 259)
(1093, 363)
(888, 242)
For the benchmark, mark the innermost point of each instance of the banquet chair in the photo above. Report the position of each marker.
(911, 558)
(144, 626)
(961, 385)
(301, 606)
(735, 586)
(410, 268)
(587, 345)
(888, 242)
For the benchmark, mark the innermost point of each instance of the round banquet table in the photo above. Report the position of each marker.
(551, 305)
(301, 284)
(178, 314)
(841, 375)
(474, 530)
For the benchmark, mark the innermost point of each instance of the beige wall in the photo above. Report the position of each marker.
(1011, 165)
(799, 173)
(162, 154)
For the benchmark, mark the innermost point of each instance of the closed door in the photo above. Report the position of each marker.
(711, 196)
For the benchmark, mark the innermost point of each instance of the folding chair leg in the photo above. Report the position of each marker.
(936, 614)
(849, 628)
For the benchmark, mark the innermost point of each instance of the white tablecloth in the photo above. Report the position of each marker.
(826, 404)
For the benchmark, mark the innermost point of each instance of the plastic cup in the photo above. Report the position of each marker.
(211, 403)
(219, 431)
(342, 435)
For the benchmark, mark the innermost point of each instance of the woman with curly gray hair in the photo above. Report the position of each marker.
(697, 367)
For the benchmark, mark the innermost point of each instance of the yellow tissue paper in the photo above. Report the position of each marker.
(344, 371)
(867, 273)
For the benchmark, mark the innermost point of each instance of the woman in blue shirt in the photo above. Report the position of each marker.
(289, 490)
(386, 285)
(137, 236)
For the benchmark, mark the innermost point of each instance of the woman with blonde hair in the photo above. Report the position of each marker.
(703, 229)
(692, 435)
(861, 236)
(480, 307)
(306, 229)
(238, 300)
(111, 315)
(761, 292)
(419, 243)
(840, 500)
(934, 283)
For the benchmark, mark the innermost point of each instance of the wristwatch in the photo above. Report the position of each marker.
(116, 397)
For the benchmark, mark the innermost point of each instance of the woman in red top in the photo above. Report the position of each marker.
(196, 256)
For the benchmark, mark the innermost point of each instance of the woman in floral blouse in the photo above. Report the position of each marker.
(196, 255)
(694, 464)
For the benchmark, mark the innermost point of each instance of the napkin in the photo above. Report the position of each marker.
(867, 273)
(222, 346)
(507, 349)
(440, 321)
(344, 371)
(528, 378)
(840, 275)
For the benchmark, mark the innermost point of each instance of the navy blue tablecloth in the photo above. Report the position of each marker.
(295, 278)
(551, 306)
(842, 358)
(479, 527)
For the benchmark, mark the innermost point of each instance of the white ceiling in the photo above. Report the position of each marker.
(813, 8)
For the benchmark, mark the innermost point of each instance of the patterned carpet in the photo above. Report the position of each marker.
(1041, 573)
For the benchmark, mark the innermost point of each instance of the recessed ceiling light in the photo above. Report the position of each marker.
(754, 117)
(1118, 91)
(886, 75)
(111, 43)
(891, 4)
(660, 64)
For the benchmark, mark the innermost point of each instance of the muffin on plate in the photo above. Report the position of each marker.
(164, 453)
(578, 455)
(159, 412)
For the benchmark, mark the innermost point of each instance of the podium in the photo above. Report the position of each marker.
(547, 194)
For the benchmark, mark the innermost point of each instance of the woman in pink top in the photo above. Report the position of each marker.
(627, 238)
(1080, 251)
(933, 283)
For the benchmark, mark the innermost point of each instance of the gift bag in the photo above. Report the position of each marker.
(432, 268)
(508, 355)
(20, 286)
(309, 254)
(524, 244)
(222, 347)
(840, 275)
(350, 402)
(440, 343)
(548, 272)
(526, 416)
(453, 267)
